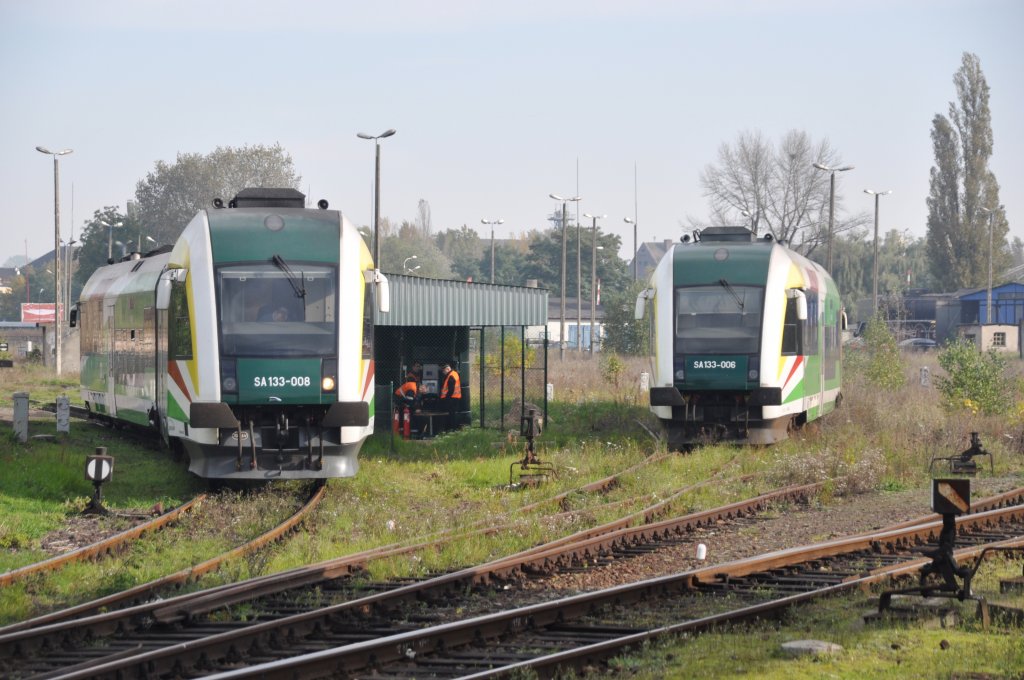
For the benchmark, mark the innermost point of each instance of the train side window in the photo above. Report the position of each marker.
(180, 327)
(792, 331)
(368, 306)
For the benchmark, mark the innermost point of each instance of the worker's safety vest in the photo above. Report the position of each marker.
(451, 388)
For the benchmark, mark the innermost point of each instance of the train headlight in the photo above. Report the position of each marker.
(328, 375)
(753, 368)
(228, 376)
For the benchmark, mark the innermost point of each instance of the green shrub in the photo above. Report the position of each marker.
(883, 365)
(978, 381)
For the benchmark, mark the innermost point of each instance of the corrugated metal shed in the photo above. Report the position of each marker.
(417, 301)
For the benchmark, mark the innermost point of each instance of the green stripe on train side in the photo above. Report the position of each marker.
(241, 235)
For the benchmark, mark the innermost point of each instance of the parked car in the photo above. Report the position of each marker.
(918, 345)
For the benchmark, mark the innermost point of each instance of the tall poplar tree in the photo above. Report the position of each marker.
(962, 188)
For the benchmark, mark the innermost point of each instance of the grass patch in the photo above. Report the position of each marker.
(882, 438)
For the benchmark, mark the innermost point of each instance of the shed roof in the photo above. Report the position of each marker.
(418, 301)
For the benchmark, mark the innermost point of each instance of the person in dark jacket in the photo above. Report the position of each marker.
(450, 396)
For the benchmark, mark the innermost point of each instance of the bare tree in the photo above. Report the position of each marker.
(423, 217)
(775, 189)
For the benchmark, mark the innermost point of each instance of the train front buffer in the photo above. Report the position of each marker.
(715, 397)
(278, 418)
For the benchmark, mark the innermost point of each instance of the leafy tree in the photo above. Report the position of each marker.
(510, 264)
(397, 252)
(95, 239)
(962, 188)
(170, 196)
(776, 189)
(623, 333)
(880, 361)
(975, 380)
(464, 249)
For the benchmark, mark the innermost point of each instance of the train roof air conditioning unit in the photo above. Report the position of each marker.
(261, 197)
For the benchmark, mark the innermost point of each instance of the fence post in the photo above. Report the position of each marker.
(21, 416)
(63, 414)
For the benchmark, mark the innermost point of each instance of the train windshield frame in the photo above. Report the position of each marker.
(720, 318)
(264, 311)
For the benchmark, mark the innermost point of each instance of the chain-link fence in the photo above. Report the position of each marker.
(501, 370)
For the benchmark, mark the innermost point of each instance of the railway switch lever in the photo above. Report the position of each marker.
(963, 463)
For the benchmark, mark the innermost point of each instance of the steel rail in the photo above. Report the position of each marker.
(378, 652)
(297, 626)
(185, 607)
(63, 622)
(149, 589)
(191, 606)
(104, 547)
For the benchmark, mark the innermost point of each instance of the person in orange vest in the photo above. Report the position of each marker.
(450, 396)
(407, 396)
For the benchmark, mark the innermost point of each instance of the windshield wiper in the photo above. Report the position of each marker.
(732, 291)
(295, 281)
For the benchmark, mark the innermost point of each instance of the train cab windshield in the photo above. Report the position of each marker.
(718, 319)
(267, 311)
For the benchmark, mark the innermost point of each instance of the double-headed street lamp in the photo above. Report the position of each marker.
(56, 249)
(874, 257)
(405, 264)
(989, 316)
(831, 204)
(492, 223)
(110, 237)
(561, 324)
(593, 275)
(376, 192)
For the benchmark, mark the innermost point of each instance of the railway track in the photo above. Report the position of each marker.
(148, 591)
(584, 629)
(107, 546)
(175, 635)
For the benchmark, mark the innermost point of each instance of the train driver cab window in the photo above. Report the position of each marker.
(180, 325)
(793, 323)
(265, 310)
(722, 318)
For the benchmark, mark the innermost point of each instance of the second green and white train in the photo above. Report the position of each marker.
(747, 338)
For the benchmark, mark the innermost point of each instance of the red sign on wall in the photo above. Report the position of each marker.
(37, 312)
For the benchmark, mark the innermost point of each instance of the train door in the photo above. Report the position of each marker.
(163, 298)
(111, 350)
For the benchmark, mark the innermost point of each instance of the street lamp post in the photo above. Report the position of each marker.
(831, 204)
(110, 237)
(56, 250)
(492, 223)
(874, 256)
(630, 220)
(69, 254)
(405, 264)
(376, 192)
(561, 323)
(989, 316)
(593, 275)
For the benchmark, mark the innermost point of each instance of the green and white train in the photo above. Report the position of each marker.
(747, 338)
(248, 344)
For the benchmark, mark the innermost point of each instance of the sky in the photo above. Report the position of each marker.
(496, 105)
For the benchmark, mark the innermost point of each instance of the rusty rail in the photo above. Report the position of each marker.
(104, 547)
